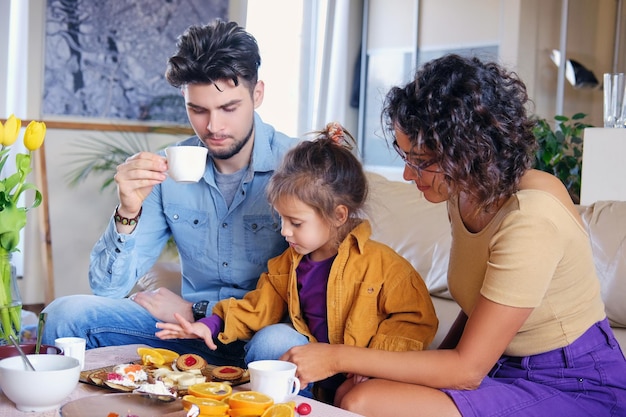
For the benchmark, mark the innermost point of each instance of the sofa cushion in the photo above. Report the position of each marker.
(394, 208)
(606, 224)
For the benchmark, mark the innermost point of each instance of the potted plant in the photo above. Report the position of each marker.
(95, 156)
(560, 149)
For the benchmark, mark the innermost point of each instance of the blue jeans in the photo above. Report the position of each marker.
(112, 322)
(271, 342)
(119, 321)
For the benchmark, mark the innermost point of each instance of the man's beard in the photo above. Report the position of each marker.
(235, 148)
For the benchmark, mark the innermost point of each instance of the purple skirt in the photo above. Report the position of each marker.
(586, 378)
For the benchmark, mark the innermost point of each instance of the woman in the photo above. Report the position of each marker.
(532, 338)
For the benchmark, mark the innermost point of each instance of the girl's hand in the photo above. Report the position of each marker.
(315, 361)
(185, 330)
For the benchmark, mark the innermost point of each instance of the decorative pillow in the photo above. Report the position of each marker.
(414, 227)
(606, 224)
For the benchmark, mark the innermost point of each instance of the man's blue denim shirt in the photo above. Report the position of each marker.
(222, 250)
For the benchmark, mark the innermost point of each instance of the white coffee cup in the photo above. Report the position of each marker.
(74, 347)
(274, 378)
(186, 163)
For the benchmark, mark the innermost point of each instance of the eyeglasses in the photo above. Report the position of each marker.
(418, 168)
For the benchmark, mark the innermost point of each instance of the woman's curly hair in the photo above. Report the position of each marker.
(471, 115)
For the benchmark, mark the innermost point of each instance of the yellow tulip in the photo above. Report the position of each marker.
(34, 135)
(11, 130)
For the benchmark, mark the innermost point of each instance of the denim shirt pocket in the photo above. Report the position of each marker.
(262, 237)
(190, 229)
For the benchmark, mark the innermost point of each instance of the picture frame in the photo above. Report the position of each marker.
(106, 60)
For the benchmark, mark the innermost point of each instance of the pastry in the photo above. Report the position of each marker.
(227, 373)
(189, 361)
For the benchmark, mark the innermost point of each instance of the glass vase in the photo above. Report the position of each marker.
(10, 301)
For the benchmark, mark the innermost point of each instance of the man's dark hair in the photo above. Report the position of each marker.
(216, 51)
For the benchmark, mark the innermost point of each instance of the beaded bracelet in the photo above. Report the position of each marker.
(125, 220)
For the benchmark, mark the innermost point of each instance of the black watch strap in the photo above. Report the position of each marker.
(199, 309)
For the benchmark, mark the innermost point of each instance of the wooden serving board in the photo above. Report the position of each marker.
(96, 377)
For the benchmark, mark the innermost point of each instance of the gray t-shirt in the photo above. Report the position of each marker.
(229, 183)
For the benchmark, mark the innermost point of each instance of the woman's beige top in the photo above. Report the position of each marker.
(533, 253)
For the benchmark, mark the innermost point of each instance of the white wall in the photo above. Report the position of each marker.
(78, 215)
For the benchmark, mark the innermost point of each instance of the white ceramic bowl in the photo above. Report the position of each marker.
(55, 377)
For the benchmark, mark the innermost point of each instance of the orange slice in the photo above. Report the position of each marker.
(150, 356)
(253, 401)
(279, 410)
(215, 390)
(207, 406)
(244, 412)
(169, 356)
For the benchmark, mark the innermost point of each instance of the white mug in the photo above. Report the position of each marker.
(74, 347)
(274, 378)
(186, 163)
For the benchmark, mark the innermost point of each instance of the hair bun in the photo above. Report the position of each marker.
(335, 132)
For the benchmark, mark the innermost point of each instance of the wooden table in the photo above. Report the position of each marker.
(101, 357)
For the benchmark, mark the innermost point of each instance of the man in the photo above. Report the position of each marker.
(223, 226)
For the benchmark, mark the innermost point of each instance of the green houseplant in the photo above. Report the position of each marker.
(98, 156)
(560, 149)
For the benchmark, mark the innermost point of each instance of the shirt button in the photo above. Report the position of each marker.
(117, 250)
(224, 225)
(225, 264)
(196, 221)
(254, 226)
(175, 216)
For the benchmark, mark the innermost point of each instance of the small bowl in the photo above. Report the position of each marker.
(7, 351)
(54, 378)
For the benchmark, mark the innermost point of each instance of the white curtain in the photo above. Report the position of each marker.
(22, 42)
(336, 31)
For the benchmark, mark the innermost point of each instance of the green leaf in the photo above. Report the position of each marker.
(560, 149)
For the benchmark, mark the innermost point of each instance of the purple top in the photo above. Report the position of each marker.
(312, 282)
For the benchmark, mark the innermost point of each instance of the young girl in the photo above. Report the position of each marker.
(334, 284)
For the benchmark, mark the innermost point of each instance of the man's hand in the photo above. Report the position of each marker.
(185, 330)
(163, 303)
(135, 179)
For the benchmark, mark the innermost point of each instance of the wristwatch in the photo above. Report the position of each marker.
(199, 309)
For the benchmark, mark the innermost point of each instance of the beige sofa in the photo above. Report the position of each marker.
(419, 230)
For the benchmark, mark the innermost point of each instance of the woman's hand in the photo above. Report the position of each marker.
(185, 330)
(315, 361)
